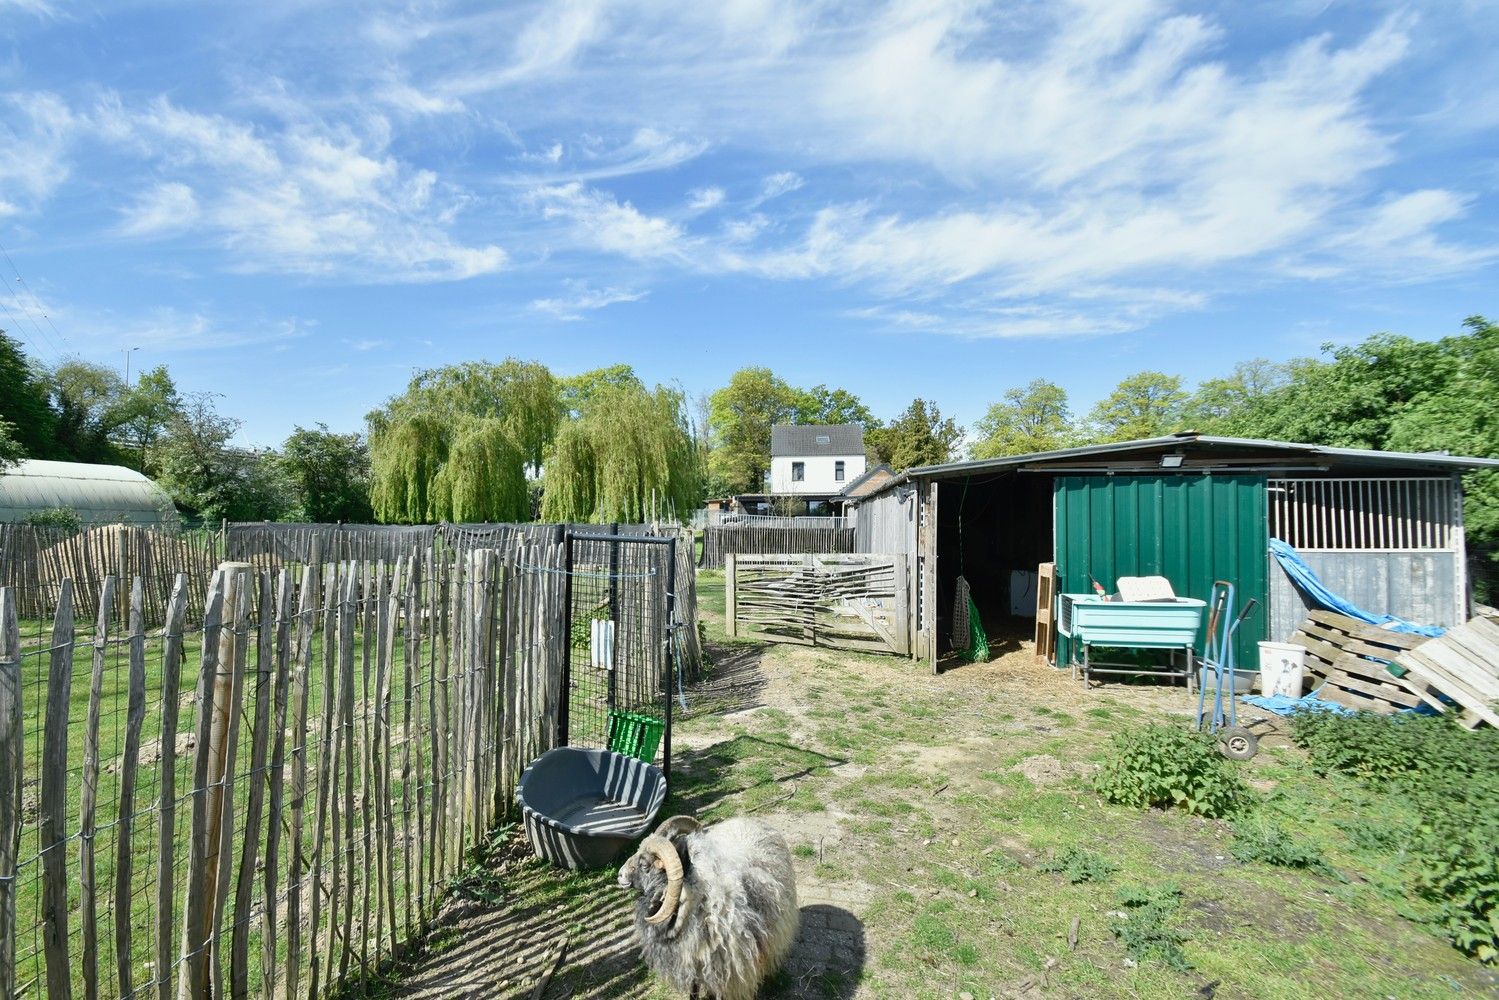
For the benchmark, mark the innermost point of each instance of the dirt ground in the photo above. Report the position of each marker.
(922, 811)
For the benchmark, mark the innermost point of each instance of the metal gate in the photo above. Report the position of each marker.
(621, 664)
(857, 602)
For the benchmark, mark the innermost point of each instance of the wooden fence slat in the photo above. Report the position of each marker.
(11, 774)
(269, 942)
(348, 613)
(135, 715)
(326, 758)
(88, 799)
(302, 657)
(166, 841)
(413, 637)
(54, 800)
(229, 750)
(200, 886)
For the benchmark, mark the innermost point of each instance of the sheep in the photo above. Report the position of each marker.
(717, 911)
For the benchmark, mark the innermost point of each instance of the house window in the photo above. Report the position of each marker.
(838, 471)
(798, 471)
(824, 439)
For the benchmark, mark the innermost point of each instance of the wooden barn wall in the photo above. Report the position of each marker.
(1418, 586)
(887, 523)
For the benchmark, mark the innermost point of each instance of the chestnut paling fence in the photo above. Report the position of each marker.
(265, 795)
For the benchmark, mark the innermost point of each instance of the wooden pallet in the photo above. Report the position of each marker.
(1463, 665)
(1353, 660)
(1046, 633)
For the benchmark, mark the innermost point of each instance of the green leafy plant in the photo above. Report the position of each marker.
(1147, 927)
(1170, 767)
(1258, 840)
(1080, 865)
(62, 518)
(1449, 778)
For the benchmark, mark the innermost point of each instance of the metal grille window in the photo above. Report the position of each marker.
(1364, 514)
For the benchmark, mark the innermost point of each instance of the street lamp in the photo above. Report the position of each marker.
(127, 354)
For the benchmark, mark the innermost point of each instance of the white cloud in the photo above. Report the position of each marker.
(581, 298)
(603, 223)
(36, 133)
(778, 184)
(303, 199)
(165, 208)
(703, 199)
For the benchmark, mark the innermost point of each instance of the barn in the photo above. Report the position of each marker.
(1383, 529)
(98, 494)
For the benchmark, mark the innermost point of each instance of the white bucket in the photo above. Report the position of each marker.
(1282, 666)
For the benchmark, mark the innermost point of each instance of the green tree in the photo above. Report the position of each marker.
(821, 405)
(1147, 404)
(11, 451)
(628, 455)
(86, 395)
(25, 402)
(1219, 401)
(457, 444)
(329, 474)
(919, 436)
(207, 477)
(577, 390)
(740, 416)
(144, 412)
(1032, 418)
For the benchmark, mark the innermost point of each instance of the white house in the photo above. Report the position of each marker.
(815, 460)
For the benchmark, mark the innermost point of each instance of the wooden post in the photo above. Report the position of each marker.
(135, 714)
(200, 887)
(302, 657)
(228, 691)
(731, 568)
(88, 910)
(10, 782)
(53, 832)
(166, 843)
(260, 736)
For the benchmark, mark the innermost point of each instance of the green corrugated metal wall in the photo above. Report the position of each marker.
(1190, 529)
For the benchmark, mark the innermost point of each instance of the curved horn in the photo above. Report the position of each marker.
(666, 858)
(676, 826)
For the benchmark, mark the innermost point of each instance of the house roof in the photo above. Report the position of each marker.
(97, 493)
(816, 439)
(869, 482)
(1188, 442)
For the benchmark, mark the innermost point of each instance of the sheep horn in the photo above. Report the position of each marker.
(678, 825)
(666, 856)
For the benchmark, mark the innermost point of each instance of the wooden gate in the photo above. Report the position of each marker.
(838, 601)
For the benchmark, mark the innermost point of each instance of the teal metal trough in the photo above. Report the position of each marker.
(1091, 620)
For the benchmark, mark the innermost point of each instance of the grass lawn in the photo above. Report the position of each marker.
(948, 842)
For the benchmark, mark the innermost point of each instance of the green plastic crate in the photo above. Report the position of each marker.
(635, 735)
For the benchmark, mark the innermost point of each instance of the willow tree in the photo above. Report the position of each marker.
(456, 445)
(628, 449)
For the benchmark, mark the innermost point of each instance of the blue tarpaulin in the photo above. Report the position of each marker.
(1311, 587)
(1283, 705)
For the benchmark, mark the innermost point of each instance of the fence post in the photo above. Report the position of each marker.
(730, 567)
(10, 782)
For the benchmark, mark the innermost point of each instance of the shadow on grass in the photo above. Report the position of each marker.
(757, 773)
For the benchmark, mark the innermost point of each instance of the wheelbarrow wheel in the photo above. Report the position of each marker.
(1237, 743)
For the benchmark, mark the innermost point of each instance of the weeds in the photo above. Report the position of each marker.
(1258, 840)
(1080, 865)
(1146, 925)
(1170, 767)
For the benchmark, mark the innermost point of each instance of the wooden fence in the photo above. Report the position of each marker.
(858, 602)
(267, 803)
(774, 539)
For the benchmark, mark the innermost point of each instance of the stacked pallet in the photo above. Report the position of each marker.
(1353, 660)
(1373, 669)
(1463, 665)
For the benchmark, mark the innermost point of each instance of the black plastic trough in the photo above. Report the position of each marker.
(587, 808)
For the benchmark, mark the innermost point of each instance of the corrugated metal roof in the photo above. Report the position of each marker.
(96, 492)
(816, 439)
(1187, 440)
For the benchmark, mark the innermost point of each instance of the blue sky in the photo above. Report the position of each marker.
(295, 205)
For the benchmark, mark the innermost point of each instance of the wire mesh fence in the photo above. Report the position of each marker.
(264, 794)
